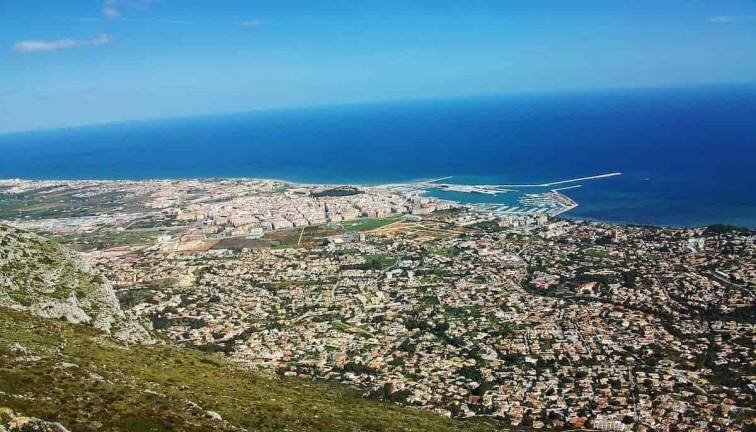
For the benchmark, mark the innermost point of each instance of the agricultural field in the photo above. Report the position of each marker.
(368, 224)
(107, 238)
(309, 237)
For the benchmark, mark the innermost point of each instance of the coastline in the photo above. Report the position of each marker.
(685, 156)
(413, 184)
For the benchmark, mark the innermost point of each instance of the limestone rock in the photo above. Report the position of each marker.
(42, 277)
(28, 424)
(214, 415)
(10, 422)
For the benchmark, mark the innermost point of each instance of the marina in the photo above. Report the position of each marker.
(482, 189)
(504, 201)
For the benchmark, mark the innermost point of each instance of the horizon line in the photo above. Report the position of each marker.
(276, 108)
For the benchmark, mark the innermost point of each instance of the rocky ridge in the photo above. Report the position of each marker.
(11, 422)
(41, 277)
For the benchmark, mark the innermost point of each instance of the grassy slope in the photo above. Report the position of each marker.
(368, 224)
(49, 389)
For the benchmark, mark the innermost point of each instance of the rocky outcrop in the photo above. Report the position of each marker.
(42, 277)
(10, 422)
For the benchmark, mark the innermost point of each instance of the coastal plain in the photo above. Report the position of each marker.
(515, 315)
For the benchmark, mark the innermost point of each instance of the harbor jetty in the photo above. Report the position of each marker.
(549, 203)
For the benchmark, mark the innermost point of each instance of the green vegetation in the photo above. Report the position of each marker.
(431, 279)
(340, 191)
(488, 226)
(41, 276)
(39, 204)
(728, 229)
(156, 221)
(313, 235)
(281, 239)
(368, 224)
(88, 382)
(108, 238)
(32, 206)
(373, 262)
(381, 261)
(339, 325)
(342, 326)
(596, 253)
(239, 243)
(448, 251)
(461, 312)
(430, 301)
(42, 270)
(448, 212)
(131, 297)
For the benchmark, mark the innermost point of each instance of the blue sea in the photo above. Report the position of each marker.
(688, 155)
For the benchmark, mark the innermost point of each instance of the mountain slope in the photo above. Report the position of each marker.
(67, 373)
(46, 279)
(76, 370)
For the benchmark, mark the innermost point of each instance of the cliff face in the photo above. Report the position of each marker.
(41, 277)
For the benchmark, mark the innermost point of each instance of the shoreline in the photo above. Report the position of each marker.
(419, 182)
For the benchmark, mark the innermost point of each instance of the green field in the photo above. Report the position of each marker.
(596, 253)
(380, 261)
(339, 325)
(312, 236)
(106, 238)
(368, 224)
(38, 204)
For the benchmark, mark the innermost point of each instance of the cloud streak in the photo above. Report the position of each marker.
(250, 23)
(726, 19)
(155, 20)
(60, 44)
(110, 9)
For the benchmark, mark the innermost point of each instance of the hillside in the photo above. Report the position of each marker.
(71, 374)
(64, 358)
(41, 277)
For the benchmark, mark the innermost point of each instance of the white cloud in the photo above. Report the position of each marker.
(250, 23)
(37, 46)
(725, 19)
(110, 12)
(110, 9)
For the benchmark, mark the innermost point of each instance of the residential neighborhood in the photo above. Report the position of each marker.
(536, 321)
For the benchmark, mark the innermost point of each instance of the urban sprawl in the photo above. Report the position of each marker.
(534, 320)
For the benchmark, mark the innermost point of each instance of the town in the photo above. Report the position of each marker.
(536, 321)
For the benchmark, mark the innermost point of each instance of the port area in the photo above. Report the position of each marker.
(483, 189)
(506, 201)
(551, 204)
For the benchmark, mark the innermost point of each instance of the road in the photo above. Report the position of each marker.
(300, 235)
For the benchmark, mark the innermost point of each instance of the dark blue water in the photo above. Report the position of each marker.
(688, 154)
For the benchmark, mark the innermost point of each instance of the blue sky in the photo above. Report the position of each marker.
(74, 62)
